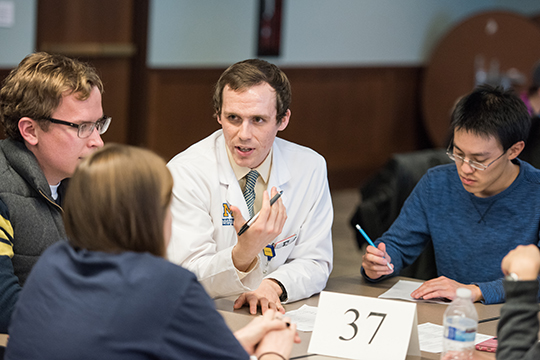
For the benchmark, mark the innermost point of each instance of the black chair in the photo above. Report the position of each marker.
(531, 153)
(383, 196)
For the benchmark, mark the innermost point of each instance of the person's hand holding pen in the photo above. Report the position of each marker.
(267, 226)
(248, 223)
(376, 261)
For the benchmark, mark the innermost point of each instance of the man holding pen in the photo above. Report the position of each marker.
(225, 179)
(475, 211)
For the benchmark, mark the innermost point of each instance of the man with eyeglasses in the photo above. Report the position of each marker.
(50, 107)
(475, 211)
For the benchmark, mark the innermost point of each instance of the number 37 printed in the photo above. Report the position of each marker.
(359, 320)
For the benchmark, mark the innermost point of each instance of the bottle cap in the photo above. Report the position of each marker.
(464, 293)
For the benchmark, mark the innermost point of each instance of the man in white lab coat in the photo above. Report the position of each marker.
(286, 254)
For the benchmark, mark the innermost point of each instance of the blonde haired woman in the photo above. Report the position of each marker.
(108, 292)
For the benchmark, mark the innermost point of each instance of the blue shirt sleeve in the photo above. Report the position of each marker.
(409, 233)
(492, 291)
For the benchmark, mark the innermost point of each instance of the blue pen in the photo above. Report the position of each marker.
(370, 242)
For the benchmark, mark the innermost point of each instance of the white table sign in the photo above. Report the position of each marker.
(359, 327)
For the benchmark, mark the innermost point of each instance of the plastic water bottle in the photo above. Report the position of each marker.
(460, 324)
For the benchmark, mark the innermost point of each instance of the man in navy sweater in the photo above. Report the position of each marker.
(475, 211)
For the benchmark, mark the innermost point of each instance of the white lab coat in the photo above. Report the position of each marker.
(203, 235)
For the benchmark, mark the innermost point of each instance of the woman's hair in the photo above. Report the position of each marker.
(117, 200)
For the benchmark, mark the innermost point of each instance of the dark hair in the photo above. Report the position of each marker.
(493, 111)
(252, 72)
(117, 201)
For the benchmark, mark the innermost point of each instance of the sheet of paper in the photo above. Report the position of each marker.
(402, 290)
(304, 317)
(431, 336)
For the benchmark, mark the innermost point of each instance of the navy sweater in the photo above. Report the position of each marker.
(94, 305)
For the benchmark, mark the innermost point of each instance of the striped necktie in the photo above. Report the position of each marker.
(249, 191)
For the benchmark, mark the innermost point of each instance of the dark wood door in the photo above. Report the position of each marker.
(111, 35)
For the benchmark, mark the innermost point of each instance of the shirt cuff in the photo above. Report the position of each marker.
(254, 264)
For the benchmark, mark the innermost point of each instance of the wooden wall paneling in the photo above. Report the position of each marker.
(99, 32)
(180, 109)
(115, 75)
(536, 19)
(82, 21)
(138, 95)
(405, 104)
(355, 117)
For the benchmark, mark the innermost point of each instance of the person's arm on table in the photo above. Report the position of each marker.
(491, 292)
(266, 228)
(517, 331)
(443, 287)
(309, 264)
(9, 283)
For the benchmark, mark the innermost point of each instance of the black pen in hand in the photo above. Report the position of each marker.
(254, 217)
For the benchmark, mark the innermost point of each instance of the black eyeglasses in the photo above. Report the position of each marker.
(85, 129)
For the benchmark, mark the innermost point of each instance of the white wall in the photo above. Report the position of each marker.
(216, 33)
(198, 33)
(18, 41)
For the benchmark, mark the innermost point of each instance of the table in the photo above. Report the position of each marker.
(356, 285)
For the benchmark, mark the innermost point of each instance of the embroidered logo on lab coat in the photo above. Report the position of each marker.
(228, 219)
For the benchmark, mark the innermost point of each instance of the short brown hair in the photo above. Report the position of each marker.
(36, 86)
(117, 201)
(252, 72)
